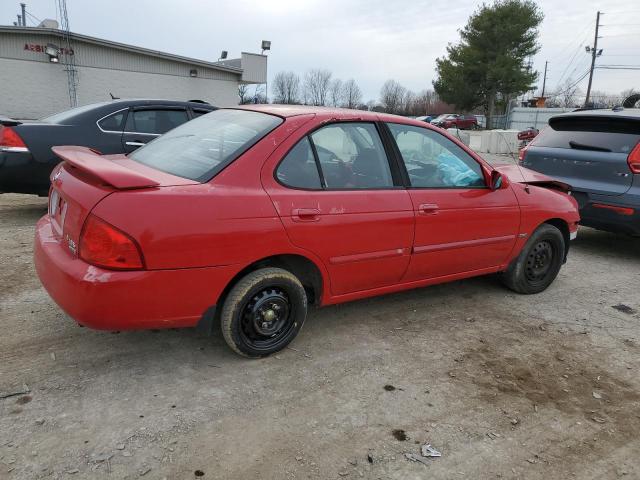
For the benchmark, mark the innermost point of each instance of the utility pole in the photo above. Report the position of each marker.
(544, 82)
(594, 53)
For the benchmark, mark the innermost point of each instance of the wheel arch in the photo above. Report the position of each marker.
(563, 226)
(302, 267)
(305, 269)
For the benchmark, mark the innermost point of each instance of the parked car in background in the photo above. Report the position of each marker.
(118, 126)
(250, 214)
(597, 152)
(526, 136)
(425, 118)
(452, 120)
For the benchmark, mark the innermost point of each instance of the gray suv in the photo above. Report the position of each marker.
(597, 152)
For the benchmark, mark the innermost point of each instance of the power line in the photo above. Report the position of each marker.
(37, 20)
(574, 84)
(605, 67)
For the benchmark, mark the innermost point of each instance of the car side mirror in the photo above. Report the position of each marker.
(497, 180)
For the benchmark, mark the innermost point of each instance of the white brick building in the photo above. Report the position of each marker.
(33, 86)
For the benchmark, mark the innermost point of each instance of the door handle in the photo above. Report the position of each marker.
(428, 208)
(135, 144)
(305, 215)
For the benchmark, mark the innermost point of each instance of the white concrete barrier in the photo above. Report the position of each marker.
(494, 141)
(462, 135)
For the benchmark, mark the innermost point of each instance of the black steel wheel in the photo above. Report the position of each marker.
(539, 262)
(263, 312)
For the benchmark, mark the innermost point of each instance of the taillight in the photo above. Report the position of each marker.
(634, 159)
(103, 245)
(10, 141)
(522, 153)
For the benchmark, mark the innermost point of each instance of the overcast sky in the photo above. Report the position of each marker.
(368, 40)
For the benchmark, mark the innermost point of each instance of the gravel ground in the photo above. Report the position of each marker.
(504, 385)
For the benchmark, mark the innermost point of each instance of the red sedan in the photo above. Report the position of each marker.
(247, 215)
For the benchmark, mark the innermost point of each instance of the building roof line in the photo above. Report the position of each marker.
(121, 46)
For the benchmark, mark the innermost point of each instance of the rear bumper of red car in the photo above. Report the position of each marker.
(125, 300)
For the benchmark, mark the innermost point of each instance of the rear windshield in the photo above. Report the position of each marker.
(66, 115)
(199, 149)
(596, 133)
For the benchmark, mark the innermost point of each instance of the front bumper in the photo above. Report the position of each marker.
(125, 300)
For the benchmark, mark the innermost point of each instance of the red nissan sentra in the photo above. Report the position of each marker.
(248, 215)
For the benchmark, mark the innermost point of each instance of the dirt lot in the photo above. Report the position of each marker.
(505, 386)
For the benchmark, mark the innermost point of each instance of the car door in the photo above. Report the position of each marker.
(461, 224)
(339, 199)
(148, 122)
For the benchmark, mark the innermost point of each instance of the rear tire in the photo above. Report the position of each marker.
(539, 262)
(263, 312)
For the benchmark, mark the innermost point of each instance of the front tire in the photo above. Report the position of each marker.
(263, 312)
(539, 262)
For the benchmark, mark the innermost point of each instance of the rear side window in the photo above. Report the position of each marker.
(155, 121)
(591, 133)
(199, 149)
(351, 156)
(114, 122)
(299, 169)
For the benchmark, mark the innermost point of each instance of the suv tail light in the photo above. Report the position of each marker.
(10, 141)
(103, 245)
(634, 159)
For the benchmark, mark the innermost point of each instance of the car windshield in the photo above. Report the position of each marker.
(201, 148)
(443, 116)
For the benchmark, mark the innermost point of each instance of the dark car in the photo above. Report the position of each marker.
(118, 126)
(597, 152)
(453, 120)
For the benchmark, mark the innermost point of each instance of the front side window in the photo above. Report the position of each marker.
(201, 148)
(434, 161)
(351, 156)
(155, 121)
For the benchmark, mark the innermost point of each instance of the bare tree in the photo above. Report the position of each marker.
(243, 94)
(352, 94)
(336, 93)
(392, 96)
(286, 88)
(566, 95)
(316, 86)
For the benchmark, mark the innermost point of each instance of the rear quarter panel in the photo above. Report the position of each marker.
(227, 221)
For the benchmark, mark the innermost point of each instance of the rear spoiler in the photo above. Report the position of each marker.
(8, 122)
(108, 171)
